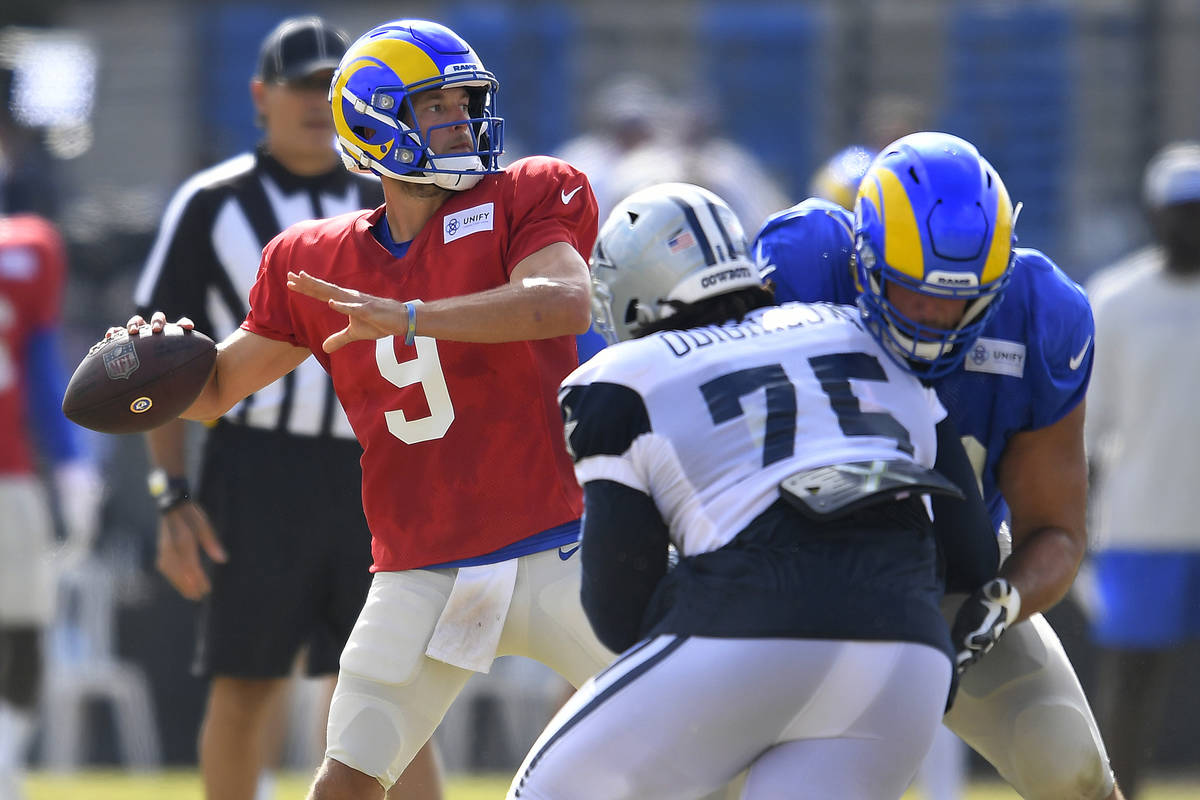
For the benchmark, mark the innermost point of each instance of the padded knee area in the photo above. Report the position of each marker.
(379, 735)
(365, 737)
(1057, 756)
(375, 742)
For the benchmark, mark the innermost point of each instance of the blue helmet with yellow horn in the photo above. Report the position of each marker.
(932, 216)
(371, 97)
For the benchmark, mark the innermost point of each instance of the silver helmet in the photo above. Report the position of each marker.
(667, 242)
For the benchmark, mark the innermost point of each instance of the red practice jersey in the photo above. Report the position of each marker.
(32, 271)
(463, 443)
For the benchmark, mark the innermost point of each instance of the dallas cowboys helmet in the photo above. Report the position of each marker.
(371, 97)
(933, 217)
(667, 242)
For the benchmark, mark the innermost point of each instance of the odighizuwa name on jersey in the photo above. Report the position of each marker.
(794, 315)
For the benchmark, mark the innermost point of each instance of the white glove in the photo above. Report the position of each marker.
(80, 490)
(982, 619)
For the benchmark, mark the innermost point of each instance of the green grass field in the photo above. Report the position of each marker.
(185, 785)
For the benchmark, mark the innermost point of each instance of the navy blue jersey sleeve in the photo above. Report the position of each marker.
(1060, 339)
(963, 528)
(806, 251)
(624, 539)
(602, 419)
(624, 556)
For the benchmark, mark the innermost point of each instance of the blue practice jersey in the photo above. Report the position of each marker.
(1029, 368)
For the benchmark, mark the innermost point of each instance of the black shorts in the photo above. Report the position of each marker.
(288, 511)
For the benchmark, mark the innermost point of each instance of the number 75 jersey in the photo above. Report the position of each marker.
(708, 421)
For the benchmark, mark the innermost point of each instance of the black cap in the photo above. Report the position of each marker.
(298, 47)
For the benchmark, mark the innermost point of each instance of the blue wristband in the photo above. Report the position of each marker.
(411, 308)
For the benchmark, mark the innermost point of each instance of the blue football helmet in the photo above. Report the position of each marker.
(838, 178)
(933, 217)
(371, 97)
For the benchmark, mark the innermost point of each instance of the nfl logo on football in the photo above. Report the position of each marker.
(121, 361)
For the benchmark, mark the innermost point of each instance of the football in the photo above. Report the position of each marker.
(130, 384)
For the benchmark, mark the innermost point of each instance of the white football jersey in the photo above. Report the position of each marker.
(708, 421)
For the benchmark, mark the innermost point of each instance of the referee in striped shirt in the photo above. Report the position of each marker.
(278, 510)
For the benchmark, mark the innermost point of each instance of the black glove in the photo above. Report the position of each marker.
(982, 619)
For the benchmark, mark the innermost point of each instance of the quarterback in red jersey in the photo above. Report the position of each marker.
(469, 287)
(444, 421)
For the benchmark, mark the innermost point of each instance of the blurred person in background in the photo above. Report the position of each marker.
(702, 155)
(623, 116)
(34, 436)
(629, 113)
(889, 115)
(279, 507)
(1006, 339)
(1142, 434)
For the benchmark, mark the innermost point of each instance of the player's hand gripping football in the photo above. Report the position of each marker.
(982, 619)
(371, 317)
(158, 321)
(184, 530)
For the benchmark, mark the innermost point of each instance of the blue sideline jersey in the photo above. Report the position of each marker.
(1030, 367)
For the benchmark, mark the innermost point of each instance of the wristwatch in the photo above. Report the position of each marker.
(168, 492)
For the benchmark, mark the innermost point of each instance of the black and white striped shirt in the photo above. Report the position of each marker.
(206, 256)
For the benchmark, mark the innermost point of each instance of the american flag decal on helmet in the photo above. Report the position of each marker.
(681, 241)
